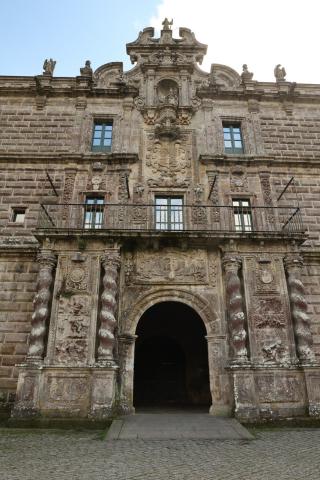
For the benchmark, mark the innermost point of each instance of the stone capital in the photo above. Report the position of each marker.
(231, 262)
(111, 258)
(47, 259)
(293, 262)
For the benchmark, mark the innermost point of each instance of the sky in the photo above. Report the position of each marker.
(260, 33)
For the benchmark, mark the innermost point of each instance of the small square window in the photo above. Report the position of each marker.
(232, 138)
(102, 137)
(18, 215)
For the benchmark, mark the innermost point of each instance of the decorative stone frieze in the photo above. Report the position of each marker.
(299, 307)
(236, 316)
(111, 263)
(41, 303)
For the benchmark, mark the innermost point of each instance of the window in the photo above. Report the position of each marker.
(102, 137)
(169, 213)
(18, 215)
(242, 215)
(232, 138)
(93, 213)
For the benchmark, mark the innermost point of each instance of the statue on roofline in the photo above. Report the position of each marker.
(166, 24)
(280, 73)
(246, 76)
(86, 71)
(48, 66)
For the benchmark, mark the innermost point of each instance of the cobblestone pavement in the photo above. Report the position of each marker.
(51, 455)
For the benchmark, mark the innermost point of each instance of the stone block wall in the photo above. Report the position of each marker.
(24, 186)
(25, 129)
(296, 136)
(311, 280)
(18, 283)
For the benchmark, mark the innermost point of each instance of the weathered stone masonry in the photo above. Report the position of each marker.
(72, 295)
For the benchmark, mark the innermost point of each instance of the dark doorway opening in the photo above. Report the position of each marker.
(171, 358)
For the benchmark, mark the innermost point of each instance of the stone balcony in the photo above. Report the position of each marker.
(145, 220)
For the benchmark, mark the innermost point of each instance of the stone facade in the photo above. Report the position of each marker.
(72, 293)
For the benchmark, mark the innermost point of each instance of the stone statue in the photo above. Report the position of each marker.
(86, 71)
(246, 76)
(166, 24)
(48, 66)
(172, 97)
(280, 73)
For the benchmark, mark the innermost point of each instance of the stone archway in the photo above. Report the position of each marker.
(216, 345)
(171, 358)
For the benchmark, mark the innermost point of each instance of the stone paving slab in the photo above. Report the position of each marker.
(282, 454)
(173, 426)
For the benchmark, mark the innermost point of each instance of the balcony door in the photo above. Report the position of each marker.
(93, 213)
(169, 213)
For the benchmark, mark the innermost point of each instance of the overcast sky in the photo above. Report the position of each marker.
(259, 33)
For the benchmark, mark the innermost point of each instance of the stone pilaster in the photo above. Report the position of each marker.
(41, 303)
(301, 322)
(126, 343)
(236, 316)
(111, 263)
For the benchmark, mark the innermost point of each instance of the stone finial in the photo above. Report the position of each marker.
(166, 24)
(246, 76)
(48, 66)
(86, 71)
(280, 73)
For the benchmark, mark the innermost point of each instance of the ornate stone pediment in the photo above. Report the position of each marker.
(166, 49)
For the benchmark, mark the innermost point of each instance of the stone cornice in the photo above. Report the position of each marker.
(267, 160)
(104, 158)
(83, 86)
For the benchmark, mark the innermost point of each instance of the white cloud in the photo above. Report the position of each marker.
(259, 33)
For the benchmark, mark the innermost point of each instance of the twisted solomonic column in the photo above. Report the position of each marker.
(111, 264)
(236, 315)
(301, 321)
(41, 303)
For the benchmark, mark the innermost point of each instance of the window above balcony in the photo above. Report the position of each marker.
(102, 136)
(169, 213)
(232, 137)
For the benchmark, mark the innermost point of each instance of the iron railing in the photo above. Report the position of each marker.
(180, 218)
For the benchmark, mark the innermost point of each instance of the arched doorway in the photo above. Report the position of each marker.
(171, 358)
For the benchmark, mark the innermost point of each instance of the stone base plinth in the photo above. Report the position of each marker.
(65, 392)
(273, 392)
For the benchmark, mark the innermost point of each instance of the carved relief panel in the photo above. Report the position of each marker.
(170, 266)
(270, 330)
(72, 327)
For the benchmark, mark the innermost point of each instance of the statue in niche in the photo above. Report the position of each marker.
(168, 93)
(280, 73)
(172, 98)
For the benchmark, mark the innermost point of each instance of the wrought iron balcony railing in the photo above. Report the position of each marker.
(178, 218)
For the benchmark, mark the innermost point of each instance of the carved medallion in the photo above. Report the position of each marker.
(266, 277)
(77, 278)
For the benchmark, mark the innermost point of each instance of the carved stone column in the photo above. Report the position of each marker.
(236, 315)
(111, 264)
(301, 322)
(41, 303)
